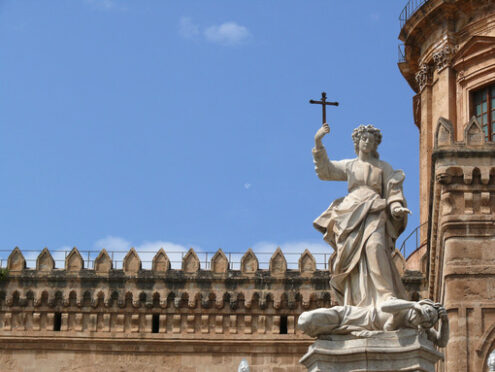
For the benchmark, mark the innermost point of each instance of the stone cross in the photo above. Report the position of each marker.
(324, 104)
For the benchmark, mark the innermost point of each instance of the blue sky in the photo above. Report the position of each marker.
(187, 124)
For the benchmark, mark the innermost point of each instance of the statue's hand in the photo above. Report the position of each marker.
(324, 130)
(399, 211)
(442, 313)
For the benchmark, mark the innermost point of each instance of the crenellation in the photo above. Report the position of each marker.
(221, 304)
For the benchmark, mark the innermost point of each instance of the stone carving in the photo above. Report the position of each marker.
(307, 263)
(74, 261)
(278, 264)
(219, 263)
(473, 133)
(160, 263)
(363, 226)
(424, 76)
(249, 262)
(45, 261)
(16, 261)
(368, 321)
(443, 57)
(132, 262)
(190, 262)
(103, 263)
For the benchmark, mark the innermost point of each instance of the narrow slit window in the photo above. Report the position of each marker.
(57, 322)
(155, 323)
(283, 324)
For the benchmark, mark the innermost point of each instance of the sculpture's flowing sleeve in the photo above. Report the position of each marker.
(329, 170)
(394, 193)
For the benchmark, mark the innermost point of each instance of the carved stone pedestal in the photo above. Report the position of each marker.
(403, 350)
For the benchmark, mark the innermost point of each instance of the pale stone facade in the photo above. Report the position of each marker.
(449, 54)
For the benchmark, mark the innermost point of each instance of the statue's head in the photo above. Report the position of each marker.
(427, 317)
(367, 138)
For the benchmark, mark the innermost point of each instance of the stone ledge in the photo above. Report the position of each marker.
(404, 350)
(147, 346)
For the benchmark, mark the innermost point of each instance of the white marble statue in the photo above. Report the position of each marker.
(367, 321)
(362, 227)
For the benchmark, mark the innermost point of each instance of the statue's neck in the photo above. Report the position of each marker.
(365, 156)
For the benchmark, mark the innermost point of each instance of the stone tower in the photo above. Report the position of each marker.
(448, 59)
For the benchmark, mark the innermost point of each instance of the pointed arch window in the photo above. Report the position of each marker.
(484, 109)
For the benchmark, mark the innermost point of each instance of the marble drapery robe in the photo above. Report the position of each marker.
(361, 229)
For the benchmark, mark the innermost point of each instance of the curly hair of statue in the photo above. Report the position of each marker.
(359, 131)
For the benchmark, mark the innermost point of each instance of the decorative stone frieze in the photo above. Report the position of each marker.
(443, 57)
(424, 76)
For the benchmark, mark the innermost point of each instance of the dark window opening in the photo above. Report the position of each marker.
(57, 321)
(155, 323)
(483, 107)
(283, 325)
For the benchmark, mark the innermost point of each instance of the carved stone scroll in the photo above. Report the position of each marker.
(424, 76)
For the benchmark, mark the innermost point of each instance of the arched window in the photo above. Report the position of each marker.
(484, 109)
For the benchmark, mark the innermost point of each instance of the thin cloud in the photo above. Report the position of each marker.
(247, 186)
(227, 34)
(188, 29)
(106, 5)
